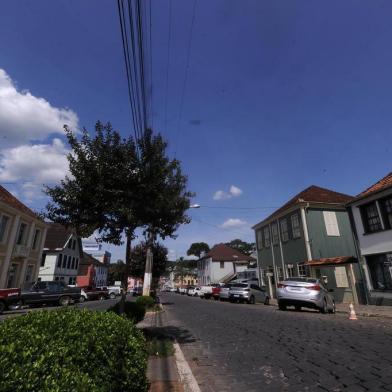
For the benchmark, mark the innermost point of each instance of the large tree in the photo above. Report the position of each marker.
(245, 247)
(197, 248)
(117, 185)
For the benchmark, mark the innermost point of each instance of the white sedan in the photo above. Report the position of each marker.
(194, 292)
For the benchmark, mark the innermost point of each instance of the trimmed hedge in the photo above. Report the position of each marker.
(71, 350)
(132, 310)
(146, 301)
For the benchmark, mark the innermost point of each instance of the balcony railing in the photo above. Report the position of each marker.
(21, 251)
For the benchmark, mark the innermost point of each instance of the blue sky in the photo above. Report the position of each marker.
(280, 95)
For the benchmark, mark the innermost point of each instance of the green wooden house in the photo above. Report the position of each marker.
(310, 235)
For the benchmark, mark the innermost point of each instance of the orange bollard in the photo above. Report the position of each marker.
(353, 315)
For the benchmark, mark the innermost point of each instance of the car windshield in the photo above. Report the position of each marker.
(303, 280)
(241, 285)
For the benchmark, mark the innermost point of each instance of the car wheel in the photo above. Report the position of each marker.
(333, 310)
(112, 296)
(266, 301)
(324, 308)
(81, 298)
(101, 297)
(298, 308)
(252, 300)
(231, 300)
(64, 301)
(282, 307)
(2, 307)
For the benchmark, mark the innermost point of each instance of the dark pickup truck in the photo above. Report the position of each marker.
(9, 297)
(94, 293)
(50, 293)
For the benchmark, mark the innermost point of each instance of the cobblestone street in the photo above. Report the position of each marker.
(237, 347)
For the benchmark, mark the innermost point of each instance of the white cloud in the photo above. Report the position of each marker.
(233, 223)
(24, 117)
(34, 165)
(233, 192)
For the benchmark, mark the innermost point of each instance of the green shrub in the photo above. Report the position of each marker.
(132, 311)
(146, 301)
(71, 350)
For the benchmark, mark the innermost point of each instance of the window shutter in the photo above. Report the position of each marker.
(331, 223)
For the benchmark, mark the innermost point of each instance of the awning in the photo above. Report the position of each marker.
(331, 261)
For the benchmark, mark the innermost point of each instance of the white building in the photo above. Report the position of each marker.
(22, 237)
(371, 219)
(62, 255)
(221, 264)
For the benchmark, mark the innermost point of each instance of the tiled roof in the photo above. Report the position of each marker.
(332, 261)
(313, 194)
(222, 252)
(384, 183)
(7, 198)
(57, 235)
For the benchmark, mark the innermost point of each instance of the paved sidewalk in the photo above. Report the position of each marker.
(360, 310)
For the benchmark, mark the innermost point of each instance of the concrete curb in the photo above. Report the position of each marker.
(186, 376)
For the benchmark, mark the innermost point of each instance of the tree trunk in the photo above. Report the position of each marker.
(124, 280)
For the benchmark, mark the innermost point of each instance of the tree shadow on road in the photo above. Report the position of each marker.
(169, 332)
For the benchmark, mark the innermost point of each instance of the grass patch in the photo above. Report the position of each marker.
(160, 347)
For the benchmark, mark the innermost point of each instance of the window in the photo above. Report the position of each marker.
(73, 263)
(295, 226)
(331, 223)
(12, 272)
(371, 218)
(56, 278)
(284, 230)
(266, 237)
(64, 261)
(259, 235)
(72, 280)
(386, 208)
(275, 234)
(3, 227)
(222, 264)
(69, 262)
(380, 267)
(59, 260)
(77, 263)
(290, 270)
(303, 270)
(29, 273)
(22, 234)
(43, 259)
(36, 238)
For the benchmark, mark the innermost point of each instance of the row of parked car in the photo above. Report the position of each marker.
(54, 293)
(299, 292)
(248, 292)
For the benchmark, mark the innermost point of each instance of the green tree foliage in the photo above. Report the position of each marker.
(116, 271)
(245, 247)
(117, 185)
(138, 256)
(197, 248)
(71, 350)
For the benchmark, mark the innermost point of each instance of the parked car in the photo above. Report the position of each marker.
(247, 292)
(137, 291)
(50, 293)
(206, 292)
(173, 290)
(96, 293)
(190, 290)
(182, 290)
(224, 292)
(306, 293)
(113, 291)
(216, 288)
(195, 292)
(8, 298)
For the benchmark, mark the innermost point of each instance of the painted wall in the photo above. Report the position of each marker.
(323, 245)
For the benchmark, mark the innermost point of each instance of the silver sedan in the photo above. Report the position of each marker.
(306, 293)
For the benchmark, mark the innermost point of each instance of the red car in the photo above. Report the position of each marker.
(216, 291)
(9, 297)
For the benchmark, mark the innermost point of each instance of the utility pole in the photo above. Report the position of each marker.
(148, 270)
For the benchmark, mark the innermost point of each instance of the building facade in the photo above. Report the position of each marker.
(221, 264)
(22, 237)
(310, 235)
(91, 272)
(371, 218)
(62, 255)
